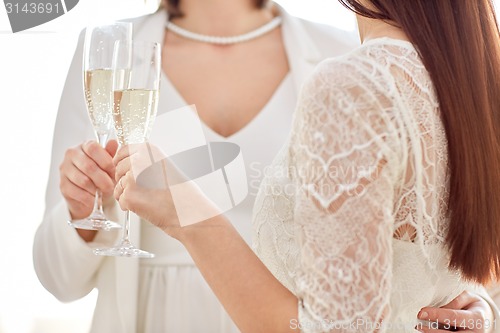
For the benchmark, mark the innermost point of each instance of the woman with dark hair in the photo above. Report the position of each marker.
(394, 163)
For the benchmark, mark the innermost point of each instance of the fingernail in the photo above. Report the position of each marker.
(422, 315)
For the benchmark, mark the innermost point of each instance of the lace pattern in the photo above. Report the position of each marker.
(365, 167)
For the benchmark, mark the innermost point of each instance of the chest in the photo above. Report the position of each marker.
(229, 85)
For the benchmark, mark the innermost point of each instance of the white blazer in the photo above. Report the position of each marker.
(64, 263)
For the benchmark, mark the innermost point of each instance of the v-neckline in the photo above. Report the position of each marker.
(245, 127)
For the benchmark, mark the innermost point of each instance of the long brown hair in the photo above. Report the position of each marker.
(174, 10)
(459, 43)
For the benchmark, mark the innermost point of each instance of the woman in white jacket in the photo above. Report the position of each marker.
(241, 91)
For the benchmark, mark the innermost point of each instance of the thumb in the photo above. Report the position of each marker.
(112, 147)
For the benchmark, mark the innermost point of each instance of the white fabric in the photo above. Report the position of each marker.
(172, 276)
(352, 219)
(494, 292)
(66, 266)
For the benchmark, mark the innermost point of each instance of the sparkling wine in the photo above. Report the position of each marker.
(99, 96)
(134, 114)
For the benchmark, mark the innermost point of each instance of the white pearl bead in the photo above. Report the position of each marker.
(219, 40)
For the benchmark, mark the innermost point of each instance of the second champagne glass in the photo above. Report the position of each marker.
(98, 83)
(134, 115)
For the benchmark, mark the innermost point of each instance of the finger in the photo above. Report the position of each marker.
(141, 149)
(100, 156)
(112, 147)
(91, 169)
(124, 193)
(119, 188)
(121, 153)
(462, 301)
(123, 201)
(446, 316)
(70, 173)
(122, 168)
(72, 192)
(433, 330)
(129, 194)
(81, 206)
(79, 179)
(134, 158)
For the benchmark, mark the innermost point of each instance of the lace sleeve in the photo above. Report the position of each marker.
(346, 148)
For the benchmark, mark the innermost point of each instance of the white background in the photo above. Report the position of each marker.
(33, 68)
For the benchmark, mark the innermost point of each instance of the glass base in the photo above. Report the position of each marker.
(94, 222)
(124, 250)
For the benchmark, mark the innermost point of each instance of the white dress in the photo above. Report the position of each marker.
(352, 218)
(173, 296)
(65, 264)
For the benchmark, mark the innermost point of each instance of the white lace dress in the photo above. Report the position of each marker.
(352, 218)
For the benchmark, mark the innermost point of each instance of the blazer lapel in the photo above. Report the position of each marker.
(151, 28)
(303, 54)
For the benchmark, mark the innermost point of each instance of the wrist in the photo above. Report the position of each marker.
(87, 235)
(191, 234)
(76, 214)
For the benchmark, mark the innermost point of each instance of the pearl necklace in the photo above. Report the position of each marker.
(219, 40)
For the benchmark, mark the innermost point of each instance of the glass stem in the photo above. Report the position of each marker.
(103, 140)
(98, 202)
(126, 228)
(98, 210)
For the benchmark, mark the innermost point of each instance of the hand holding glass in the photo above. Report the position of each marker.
(98, 86)
(134, 114)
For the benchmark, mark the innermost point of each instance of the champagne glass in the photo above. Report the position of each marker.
(98, 84)
(134, 115)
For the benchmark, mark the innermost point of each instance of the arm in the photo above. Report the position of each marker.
(63, 260)
(252, 296)
(348, 162)
(330, 258)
